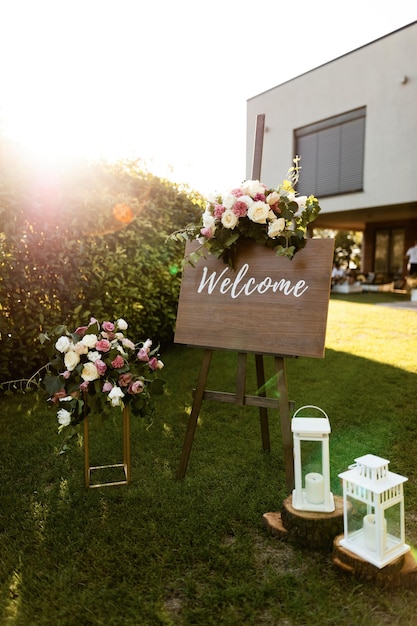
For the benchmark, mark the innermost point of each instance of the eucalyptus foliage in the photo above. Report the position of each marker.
(66, 253)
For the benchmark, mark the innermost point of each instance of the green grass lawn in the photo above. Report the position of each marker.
(196, 552)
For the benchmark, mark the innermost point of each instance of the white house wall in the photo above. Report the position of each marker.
(381, 76)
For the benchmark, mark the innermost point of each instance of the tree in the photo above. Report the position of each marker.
(91, 241)
(347, 246)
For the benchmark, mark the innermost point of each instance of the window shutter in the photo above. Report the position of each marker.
(352, 155)
(332, 154)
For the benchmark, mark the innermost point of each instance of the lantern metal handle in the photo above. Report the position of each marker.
(309, 406)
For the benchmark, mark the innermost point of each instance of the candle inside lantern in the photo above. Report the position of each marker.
(315, 488)
(369, 531)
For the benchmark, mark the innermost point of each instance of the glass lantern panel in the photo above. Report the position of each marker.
(393, 517)
(311, 458)
(357, 512)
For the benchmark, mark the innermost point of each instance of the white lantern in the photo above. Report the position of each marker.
(311, 462)
(373, 504)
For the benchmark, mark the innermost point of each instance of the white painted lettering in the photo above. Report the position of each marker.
(300, 288)
(239, 286)
(211, 280)
(241, 273)
(265, 285)
(225, 286)
(248, 290)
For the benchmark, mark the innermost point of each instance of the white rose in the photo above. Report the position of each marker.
(252, 187)
(301, 201)
(71, 360)
(63, 344)
(246, 199)
(208, 220)
(89, 372)
(64, 417)
(273, 198)
(276, 227)
(115, 396)
(121, 324)
(80, 348)
(229, 219)
(93, 356)
(89, 340)
(212, 197)
(228, 200)
(258, 212)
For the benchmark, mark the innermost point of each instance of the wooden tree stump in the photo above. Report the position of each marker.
(311, 529)
(402, 572)
(273, 521)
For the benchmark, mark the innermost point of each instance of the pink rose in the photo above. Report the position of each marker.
(107, 387)
(240, 208)
(219, 209)
(58, 395)
(237, 193)
(84, 386)
(207, 232)
(153, 363)
(66, 374)
(81, 331)
(143, 355)
(136, 387)
(125, 379)
(108, 327)
(127, 343)
(103, 345)
(101, 366)
(118, 362)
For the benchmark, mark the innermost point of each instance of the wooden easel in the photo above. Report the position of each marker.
(242, 399)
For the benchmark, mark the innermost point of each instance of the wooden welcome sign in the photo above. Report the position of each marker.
(266, 305)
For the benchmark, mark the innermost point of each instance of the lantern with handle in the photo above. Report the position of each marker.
(373, 504)
(311, 462)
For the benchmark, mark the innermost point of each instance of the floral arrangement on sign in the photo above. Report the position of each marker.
(277, 218)
(97, 367)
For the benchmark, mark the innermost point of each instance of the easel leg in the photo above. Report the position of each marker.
(263, 412)
(126, 443)
(86, 454)
(285, 422)
(192, 422)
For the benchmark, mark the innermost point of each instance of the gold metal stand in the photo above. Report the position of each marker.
(126, 455)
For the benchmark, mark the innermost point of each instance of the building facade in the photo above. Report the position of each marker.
(353, 122)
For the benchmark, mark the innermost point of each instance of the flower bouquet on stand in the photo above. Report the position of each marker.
(97, 368)
(277, 218)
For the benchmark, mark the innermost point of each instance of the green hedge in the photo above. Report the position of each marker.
(65, 257)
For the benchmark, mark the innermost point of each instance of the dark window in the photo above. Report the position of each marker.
(389, 251)
(332, 155)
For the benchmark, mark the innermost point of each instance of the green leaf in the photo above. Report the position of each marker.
(156, 388)
(53, 384)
